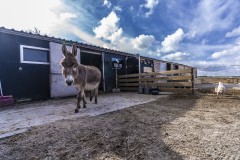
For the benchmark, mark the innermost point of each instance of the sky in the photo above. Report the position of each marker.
(200, 33)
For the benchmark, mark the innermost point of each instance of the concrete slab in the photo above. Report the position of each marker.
(19, 118)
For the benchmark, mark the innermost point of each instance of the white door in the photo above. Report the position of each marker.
(58, 87)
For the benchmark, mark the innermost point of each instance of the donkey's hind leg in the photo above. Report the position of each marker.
(84, 99)
(91, 95)
(96, 95)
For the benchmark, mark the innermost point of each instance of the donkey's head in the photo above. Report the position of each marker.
(69, 64)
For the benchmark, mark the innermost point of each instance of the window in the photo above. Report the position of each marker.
(34, 55)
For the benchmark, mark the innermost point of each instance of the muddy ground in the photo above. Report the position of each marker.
(174, 127)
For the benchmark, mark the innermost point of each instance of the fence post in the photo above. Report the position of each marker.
(139, 71)
(193, 80)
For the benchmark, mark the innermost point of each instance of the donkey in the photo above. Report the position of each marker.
(83, 77)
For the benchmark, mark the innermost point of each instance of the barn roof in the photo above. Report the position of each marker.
(59, 40)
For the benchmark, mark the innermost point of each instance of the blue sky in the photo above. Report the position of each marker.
(200, 33)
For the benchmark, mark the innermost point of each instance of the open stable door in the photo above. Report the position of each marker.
(93, 59)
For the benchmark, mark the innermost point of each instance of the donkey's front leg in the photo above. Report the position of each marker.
(78, 102)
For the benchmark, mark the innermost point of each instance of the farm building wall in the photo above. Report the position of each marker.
(146, 65)
(163, 66)
(156, 66)
(22, 80)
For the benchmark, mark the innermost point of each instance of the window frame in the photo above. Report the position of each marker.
(35, 48)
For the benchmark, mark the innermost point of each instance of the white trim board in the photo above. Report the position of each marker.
(31, 47)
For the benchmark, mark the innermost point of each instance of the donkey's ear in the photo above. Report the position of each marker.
(74, 49)
(64, 49)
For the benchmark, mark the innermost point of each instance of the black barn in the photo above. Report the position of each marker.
(30, 65)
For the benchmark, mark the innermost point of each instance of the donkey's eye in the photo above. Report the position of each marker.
(75, 67)
(63, 65)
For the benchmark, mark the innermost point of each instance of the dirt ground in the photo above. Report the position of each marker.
(190, 127)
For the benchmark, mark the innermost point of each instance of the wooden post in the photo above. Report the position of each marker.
(193, 80)
(139, 71)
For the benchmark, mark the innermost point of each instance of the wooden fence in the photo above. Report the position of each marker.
(176, 81)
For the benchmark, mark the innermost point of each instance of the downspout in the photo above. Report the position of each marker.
(139, 63)
(103, 71)
(126, 65)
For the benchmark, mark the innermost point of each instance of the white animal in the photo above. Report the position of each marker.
(220, 89)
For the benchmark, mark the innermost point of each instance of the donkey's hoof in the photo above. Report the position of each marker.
(84, 106)
(76, 110)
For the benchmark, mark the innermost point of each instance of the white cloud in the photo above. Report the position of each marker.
(212, 15)
(143, 41)
(150, 4)
(117, 8)
(115, 36)
(217, 68)
(108, 28)
(143, 44)
(110, 31)
(234, 51)
(235, 32)
(83, 35)
(237, 61)
(65, 16)
(178, 56)
(107, 3)
(171, 42)
(214, 66)
(222, 63)
(27, 14)
(131, 8)
(50, 17)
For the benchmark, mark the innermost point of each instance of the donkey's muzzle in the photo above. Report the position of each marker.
(69, 83)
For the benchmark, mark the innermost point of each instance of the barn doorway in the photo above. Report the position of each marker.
(132, 65)
(169, 66)
(92, 59)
